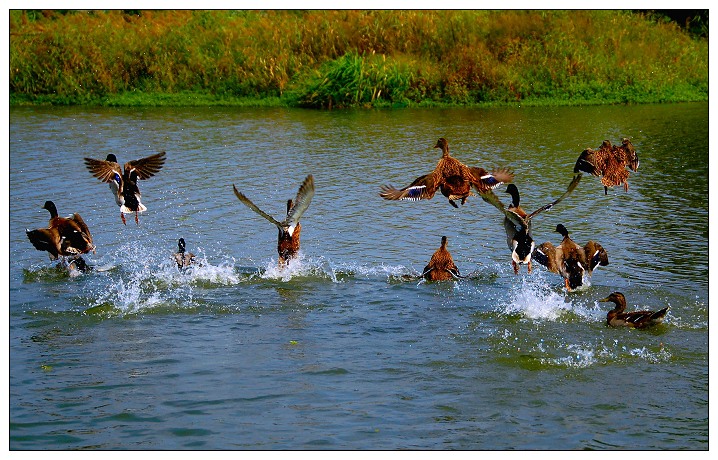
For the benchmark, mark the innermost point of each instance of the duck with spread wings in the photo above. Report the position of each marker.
(570, 260)
(451, 177)
(609, 162)
(63, 237)
(517, 222)
(123, 183)
(289, 228)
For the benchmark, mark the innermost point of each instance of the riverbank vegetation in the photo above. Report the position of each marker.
(352, 58)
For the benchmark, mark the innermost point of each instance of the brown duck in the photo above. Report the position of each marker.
(517, 222)
(289, 228)
(570, 260)
(637, 319)
(63, 236)
(610, 162)
(453, 178)
(183, 258)
(124, 183)
(441, 267)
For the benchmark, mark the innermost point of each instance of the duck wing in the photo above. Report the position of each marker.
(586, 162)
(595, 255)
(254, 208)
(547, 255)
(146, 167)
(643, 318)
(301, 202)
(103, 169)
(82, 225)
(484, 178)
(490, 197)
(84, 231)
(184, 260)
(45, 239)
(571, 187)
(423, 188)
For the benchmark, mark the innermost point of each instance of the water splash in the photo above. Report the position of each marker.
(536, 299)
(300, 266)
(139, 278)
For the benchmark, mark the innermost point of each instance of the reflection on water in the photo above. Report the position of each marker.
(347, 349)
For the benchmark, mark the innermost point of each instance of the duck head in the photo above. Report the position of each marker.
(442, 144)
(515, 197)
(50, 206)
(562, 230)
(618, 299)
(630, 154)
(181, 246)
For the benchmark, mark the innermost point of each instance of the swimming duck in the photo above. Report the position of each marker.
(441, 266)
(64, 236)
(124, 184)
(77, 266)
(289, 228)
(570, 260)
(610, 162)
(517, 222)
(181, 257)
(453, 178)
(637, 319)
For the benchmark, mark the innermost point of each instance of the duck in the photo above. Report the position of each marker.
(77, 266)
(181, 257)
(453, 178)
(610, 162)
(570, 260)
(637, 319)
(64, 236)
(441, 266)
(518, 223)
(123, 183)
(289, 228)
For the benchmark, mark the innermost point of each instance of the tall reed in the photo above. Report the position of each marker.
(354, 58)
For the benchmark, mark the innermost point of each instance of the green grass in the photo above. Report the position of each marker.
(334, 59)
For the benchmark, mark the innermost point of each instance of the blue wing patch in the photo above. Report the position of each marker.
(414, 193)
(491, 181)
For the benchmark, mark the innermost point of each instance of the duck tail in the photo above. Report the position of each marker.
(658, 316)
(140, 208)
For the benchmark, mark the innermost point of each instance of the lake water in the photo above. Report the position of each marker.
(340, 351)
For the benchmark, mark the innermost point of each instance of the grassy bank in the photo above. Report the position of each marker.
(352, 58)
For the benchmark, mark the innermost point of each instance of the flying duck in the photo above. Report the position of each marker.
(124, 183)
(609, 161)
(64, 236)
(441, 266)
(289, 228)
(453, 178)
(181, 257)
(570, 260)
(637, 319)
(517, 222)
